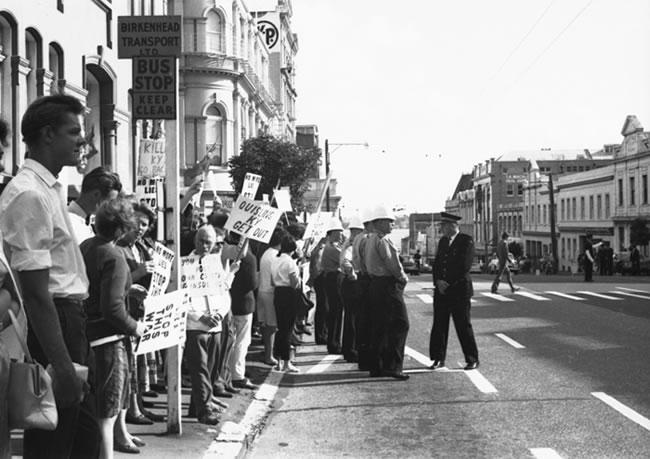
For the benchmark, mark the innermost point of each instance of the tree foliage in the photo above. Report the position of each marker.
(276, 161)
(516, 249)
(639, 232)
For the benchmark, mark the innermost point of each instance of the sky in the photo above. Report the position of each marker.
(437, 86)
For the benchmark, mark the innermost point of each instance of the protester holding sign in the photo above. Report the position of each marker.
(204, 333)
(109, 323)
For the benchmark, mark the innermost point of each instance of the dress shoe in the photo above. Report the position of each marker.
(138, 442)
(516, 289)
(153, 416)
(232, 390)
(125, 448)
(375, 374)
(471, 366)
(397, 375)
(150, 394)
(494, 292)
(158, 387)
(437, 364)
(210, 418)
(219, 403)
(222, 393)
(140, 419)
(147, 404)
(244, 384)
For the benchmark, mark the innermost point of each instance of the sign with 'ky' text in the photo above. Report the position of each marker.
(253, 220)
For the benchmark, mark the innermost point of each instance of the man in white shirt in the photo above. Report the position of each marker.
(98, 185)
(43, 251)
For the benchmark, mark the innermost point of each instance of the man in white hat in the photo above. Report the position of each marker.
(350, 291)
(330, 265)
(363, 279)
(389, 319)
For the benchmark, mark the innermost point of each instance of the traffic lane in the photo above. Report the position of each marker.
(530, 374)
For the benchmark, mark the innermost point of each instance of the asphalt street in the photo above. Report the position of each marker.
(564, 373)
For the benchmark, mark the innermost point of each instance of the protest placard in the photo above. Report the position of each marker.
(202, 276)
(165, 317)
(316, 226)
(283, 200)
(251, 184)
(151, 158)
(162, 261)
(253, 220)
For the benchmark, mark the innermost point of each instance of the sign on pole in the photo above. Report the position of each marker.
(316, 227)
(283, 200)
(151, 158)
(251, 184)
(149, 36)
(253, 220)
(162, 260)
(154, 87)
(166, 318)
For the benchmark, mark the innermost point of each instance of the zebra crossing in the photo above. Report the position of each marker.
(615, 294)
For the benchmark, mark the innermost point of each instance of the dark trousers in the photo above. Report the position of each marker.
(350, 293)
(389, 325)
(335, 313)
(77, 434)
(284, 300)
(589, 269)
(201, 351)
(459, 310)
(503, 269)
(363, 322)
(322, 310)
(221, 374)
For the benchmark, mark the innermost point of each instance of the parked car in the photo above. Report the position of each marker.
(476, 267)
(623, 265)
(408, 263)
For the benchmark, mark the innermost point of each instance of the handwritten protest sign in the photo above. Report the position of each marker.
(151, 158)
(162, 260)
(252, 219)
(202, 276)
(251, 184)
(283, 200)
(165, 316)
(316, 226)
(148, 191)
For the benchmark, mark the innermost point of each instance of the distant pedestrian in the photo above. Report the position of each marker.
(588, 260)
(417, 259)
(502, 255)
(635, 258)
(453, 293)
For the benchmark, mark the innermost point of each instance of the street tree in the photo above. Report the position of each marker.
(639, 232)
(516, 249)
(277, 161)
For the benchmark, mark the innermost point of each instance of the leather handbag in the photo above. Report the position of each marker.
(30, 396)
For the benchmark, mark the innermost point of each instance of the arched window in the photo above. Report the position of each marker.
(214, 135)
(214, 33)
(34, 54)
(56, 66)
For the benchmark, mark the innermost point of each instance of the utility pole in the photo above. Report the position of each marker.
(327, 172)
(552, 215)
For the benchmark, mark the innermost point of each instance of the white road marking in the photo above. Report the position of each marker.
(496, 296)
(324, 364)
(423, 359)
(545, 453)
(480, 381)
(599, 295)
(624, 410)
(633, 290)
(427, 299)
(566, 295)
(533, 296)
(643, 297)
(510, 341)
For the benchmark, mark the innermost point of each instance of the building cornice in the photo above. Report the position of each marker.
(605, 178)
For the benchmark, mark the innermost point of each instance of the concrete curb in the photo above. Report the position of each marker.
(235, 439)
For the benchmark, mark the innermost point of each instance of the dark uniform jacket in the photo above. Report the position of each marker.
(453, 263)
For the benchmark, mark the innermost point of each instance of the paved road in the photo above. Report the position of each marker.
(564, 373)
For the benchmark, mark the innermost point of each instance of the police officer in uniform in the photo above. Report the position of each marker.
(389, 319)
(453, 293)
(330, 260)
(350, 292)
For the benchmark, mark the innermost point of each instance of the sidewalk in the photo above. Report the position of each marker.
(239, 424)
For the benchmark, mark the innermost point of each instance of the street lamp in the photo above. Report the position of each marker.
(327, 165)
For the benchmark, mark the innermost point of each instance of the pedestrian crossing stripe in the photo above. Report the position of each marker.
(427, 299)
(599, 295)
(533, 296)
(496, 296)
(643, 297)
(566, 295)
(632, 290)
